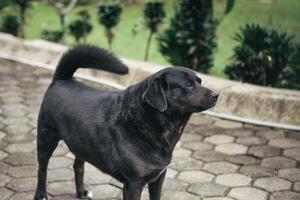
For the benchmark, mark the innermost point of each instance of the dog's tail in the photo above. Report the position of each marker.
(87, 56)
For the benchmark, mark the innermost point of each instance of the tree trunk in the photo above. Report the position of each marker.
(62, 19)
(148, 46)
(109, 35)
(195, 63)
(23, 21)
(84, 33)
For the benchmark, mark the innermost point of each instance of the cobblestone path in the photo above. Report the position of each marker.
(214, 160)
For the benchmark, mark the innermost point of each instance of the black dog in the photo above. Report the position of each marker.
(129, 134)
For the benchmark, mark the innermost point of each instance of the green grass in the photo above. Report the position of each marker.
(282, 15)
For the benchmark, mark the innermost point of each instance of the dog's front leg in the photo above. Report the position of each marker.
(156, 187)
(132, 190)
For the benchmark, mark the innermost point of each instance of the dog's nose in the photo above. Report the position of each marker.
(214, 95)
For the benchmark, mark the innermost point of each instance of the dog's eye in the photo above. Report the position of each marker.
(189, 84)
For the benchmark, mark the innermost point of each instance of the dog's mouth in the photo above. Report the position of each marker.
(212, 105)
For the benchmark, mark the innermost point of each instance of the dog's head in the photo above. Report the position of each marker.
(178, 89)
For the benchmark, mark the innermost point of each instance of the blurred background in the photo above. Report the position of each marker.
(254, 41)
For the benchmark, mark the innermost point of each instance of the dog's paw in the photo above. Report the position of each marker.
(85, 195)
(40, 196)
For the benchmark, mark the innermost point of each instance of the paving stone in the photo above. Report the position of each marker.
(3, 144)
(256, 171)
(292, 153)
(197, 146)
(61, 150)
(61, 188)
(227, 124)
(251, 140)
(186, 164)
(171, 184)
(291, 174)
(209, 155)
(197, 119)
(219, 198)
(174, 195)
(22, 171)
(3, 180)
(231, 149)
(96, 177)
(285, 195)
(271, 134)
(2, 135)
(20, 138)
(187, 137)
(181, 153)
(88, 167)
(171, 173)
(195, 176)
(116, 183)
(278, 162)
(297, 186)
(23, 196)
(219, 139)
(18, 159)
(105, 191)
(233, 180)
(284, 143)
(207, 130)
(2, 155)
(65, 197)
(243, 160)
(220, 167)
(23, 185)
(71, 156)
(178, 144)
(16, 129)
(62, 175)
(207, 189)
(293, 135)
(264, 151)
(248, 193)
(59, 162)
(5, 193)
(15, 120)
(20, 147)
(272, 184)
(4, 167)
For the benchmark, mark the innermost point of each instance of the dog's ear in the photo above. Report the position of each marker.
(154, 95)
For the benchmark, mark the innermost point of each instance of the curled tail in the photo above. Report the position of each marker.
(87, 56)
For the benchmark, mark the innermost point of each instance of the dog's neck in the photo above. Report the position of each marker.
(163, 129)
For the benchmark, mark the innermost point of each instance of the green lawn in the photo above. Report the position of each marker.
(283, 15)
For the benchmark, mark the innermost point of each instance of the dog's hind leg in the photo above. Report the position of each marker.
(47, 141)
(79, 177)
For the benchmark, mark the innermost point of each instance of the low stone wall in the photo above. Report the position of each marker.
(238, 99)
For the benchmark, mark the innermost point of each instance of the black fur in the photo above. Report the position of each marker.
(129, 134)
(87, 56)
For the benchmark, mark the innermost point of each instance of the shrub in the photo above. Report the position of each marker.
(54, 36)
(291, 73)
(81, 27)
(10, 24)
(263, 57)
(109, 16)
(153, 15)
(190, 39)
(23, 6)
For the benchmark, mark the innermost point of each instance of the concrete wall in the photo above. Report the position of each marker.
(244, 100)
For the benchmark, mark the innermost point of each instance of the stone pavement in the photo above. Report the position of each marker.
(214, 160)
